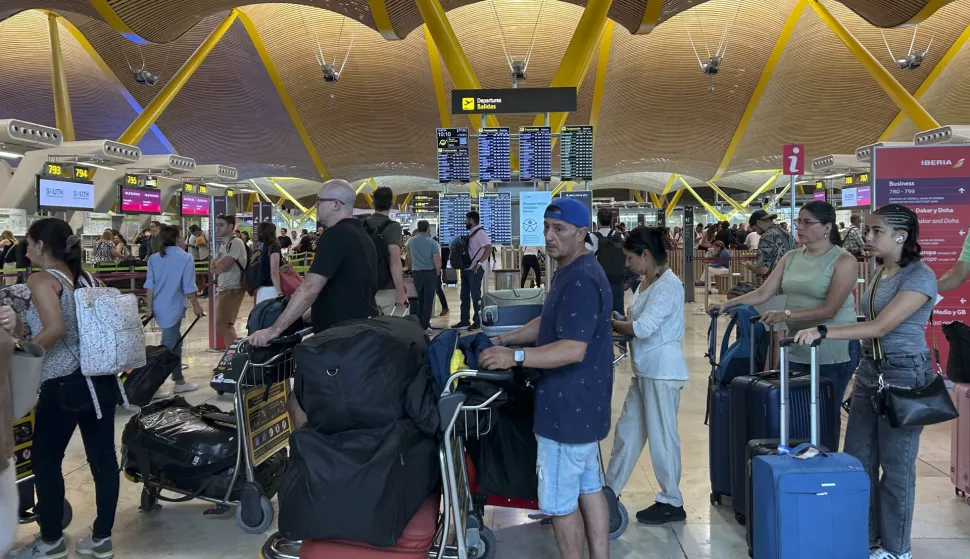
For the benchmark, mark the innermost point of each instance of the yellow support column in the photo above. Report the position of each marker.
(286, 195)
(382, 20)
(407, 201)
(137, 130)
(62, 103)
(674, 201)
(602, 62)
(651, 15)
(438, 79)
(727, 198)
(708, 207)
(655, 200)
(900, 96)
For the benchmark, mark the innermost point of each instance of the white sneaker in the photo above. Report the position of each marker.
(100, 550)
(880, 553)
(38, 549)
(187, 387)
(162, 394)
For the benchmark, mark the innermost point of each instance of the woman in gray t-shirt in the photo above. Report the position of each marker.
(898, 307)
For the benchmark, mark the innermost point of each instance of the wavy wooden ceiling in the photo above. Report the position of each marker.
(162, 21)
(658, 114)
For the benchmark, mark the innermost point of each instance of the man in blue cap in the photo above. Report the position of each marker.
(572, 407)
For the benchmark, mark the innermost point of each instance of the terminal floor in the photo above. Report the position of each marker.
(180, 531)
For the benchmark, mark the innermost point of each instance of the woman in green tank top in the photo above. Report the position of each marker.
(817, 279)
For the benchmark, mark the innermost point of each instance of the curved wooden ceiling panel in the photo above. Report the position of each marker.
(893, 13)
(25, 80)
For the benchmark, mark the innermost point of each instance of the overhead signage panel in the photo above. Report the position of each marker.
(496, 215)
(535, 153)
(453, 160)
(494, 155)
(513, 101)
(576, 153)
(451, 216)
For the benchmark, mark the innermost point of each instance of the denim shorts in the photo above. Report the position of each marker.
(566, 471)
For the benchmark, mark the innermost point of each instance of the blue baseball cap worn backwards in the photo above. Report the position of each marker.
(570, 210)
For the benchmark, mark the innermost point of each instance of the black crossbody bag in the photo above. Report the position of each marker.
(909, 407)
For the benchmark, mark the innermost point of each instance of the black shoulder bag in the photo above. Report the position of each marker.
(909, 407)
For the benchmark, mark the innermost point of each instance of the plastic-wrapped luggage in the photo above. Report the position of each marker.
(361, 485)
(960, 440)
(508, 309)
(414, 543)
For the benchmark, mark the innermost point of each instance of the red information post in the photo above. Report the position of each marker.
(934, 182)
(794, 159)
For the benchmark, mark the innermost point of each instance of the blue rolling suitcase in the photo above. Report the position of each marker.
(808, 506)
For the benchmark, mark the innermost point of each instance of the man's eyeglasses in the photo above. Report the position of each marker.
(319, 199)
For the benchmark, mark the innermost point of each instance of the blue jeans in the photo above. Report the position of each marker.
(471, 293)
(618, 293)
(840, 373)
(170, 337)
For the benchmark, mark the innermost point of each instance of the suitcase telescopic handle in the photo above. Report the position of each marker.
(814, 418)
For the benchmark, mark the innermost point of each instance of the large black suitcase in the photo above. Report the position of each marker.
(358, 373)
(142, 383)
(362, 485)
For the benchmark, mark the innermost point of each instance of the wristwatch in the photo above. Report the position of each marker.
(823, 330)
(787, 315)
(519, 357)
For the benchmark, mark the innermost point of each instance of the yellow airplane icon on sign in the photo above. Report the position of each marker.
(468, 103)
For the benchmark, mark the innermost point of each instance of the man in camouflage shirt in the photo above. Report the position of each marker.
(774, 243)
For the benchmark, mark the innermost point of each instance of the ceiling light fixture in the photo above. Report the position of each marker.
(10, 155)
(218, 185)
(95, 165)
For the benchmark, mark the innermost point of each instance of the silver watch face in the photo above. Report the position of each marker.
(519, 356)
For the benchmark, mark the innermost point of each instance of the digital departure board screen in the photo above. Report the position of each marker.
(495, 209)
(195, 205)
(535, 153)
(453, 160)
(141, 201)
(452, 209)
(55, 194)
(425, 203)
(494, 155)
(576, 153)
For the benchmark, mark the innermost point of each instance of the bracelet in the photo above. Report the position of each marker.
(499, 338)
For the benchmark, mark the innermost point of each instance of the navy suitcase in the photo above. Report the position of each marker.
(808, 506)
(719, 437)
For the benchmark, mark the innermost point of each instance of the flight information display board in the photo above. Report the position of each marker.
(453, 160)
(494, 155)
(452, 209)
(425, 203)
(576, 153)
(495, 209)
(535, 153)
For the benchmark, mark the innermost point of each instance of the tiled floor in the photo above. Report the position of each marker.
(180, 531)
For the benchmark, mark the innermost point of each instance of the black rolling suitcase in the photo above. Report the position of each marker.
(142, 383)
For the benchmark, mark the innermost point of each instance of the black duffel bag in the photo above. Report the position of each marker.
(362, 485)
(358, 373)
(958, 360)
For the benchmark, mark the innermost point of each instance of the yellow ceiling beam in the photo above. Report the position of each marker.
(651, 15)
(727, 198)
(382, 20)
(558, 188)
(437, 78)
(654, 199)
(62, 101)
(759, 90)
(761, 190)
(473, 188)
(713, 211)
(636, 196)
(670, 184)
(407, 200)
(286, 194)
(108, 14)
(284, 95)
(899, 95)
(778, 197)
(928, 10)
(143, 122)
(602, 61)
(673, 202)
(578, 56)
(930, 79)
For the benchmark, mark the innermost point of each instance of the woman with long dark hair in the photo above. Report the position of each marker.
(656, 326)
(818, 280)
(901, 300)
(171, 279)
(67, 400)
(270, 262)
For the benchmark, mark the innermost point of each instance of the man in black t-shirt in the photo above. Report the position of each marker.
(342, 281)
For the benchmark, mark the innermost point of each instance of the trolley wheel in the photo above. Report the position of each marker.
(220, 392)
(149, 501)
(255, 521)
(968, 500)
(624, 522)
(959, 492)
(740, 518)
(68, 515)
(715, 499)
(488, 547)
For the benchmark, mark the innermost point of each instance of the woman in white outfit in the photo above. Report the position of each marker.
(655, 323)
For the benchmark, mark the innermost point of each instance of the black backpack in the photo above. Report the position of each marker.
(253, 270)
(383, 262)
(611, 257)
(460, 255)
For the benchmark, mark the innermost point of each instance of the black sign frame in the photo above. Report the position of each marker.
(521, 100)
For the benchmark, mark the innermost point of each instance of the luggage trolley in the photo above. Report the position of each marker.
(23, 432)
(263, 429)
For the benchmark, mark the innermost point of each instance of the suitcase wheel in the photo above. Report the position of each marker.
(740, 518)
(624, 522)
(149, 501)
(255, 521)
(715, 499)
(487, 546)
(68, 515)
(219, 392)
(959, 492)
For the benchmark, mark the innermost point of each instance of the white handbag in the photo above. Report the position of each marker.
(26, 372)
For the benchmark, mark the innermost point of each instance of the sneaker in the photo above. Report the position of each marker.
(185, 366)
(38, 549)
(100, 550)
(429, 333)
(460, 326)
(162, 394)
(474, 327)
(187, 387)
(880, 553)
(444, 312)
(661, 513)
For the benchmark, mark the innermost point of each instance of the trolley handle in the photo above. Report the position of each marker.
(785, 342)
(245, 346)
(491, 376)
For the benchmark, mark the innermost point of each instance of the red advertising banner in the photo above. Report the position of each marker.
(934, 182)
